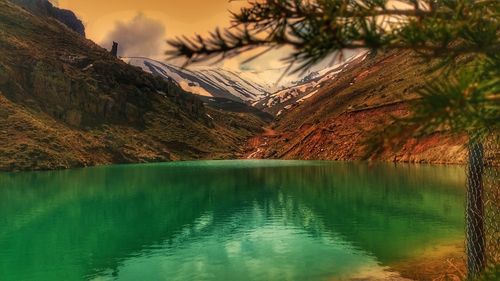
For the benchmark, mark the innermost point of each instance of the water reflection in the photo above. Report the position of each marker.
(249, 220)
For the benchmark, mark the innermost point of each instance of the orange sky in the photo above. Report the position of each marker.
(180, 17)
(175, 17)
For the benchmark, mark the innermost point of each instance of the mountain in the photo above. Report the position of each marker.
(305, 88)
(45, 8)
(207, 81)
(332, 116)
(66, 102)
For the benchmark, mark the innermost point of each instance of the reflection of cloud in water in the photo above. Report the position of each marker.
(250, 245)
(267, 253)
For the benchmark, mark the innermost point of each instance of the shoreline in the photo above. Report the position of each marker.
(446, 262)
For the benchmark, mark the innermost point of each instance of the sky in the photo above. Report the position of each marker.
(141, 27)
(179, 17)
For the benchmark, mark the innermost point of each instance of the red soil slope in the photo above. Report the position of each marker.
(336, 123)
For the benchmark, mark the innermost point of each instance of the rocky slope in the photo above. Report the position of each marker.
(335, 122)
(65, 102)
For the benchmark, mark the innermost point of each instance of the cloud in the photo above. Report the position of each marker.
(141, 36)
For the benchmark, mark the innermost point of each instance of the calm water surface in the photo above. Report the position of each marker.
(225, 220)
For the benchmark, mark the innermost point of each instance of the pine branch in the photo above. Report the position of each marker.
(315, 29)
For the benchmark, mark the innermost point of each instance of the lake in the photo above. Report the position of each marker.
(227, 220)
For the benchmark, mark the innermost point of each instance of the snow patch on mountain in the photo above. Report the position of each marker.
(208, 81)
(306, 88)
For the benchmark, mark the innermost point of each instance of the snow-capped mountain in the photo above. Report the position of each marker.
(208, 81)
(303, 89)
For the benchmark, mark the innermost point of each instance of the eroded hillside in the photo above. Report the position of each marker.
(65, 102)
(336, 122)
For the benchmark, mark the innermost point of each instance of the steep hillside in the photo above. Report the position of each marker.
(207, 81)
(45, 8)
(65, 102)
(335, 122)
(281, 101)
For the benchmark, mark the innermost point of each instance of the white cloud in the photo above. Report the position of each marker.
(141, 36)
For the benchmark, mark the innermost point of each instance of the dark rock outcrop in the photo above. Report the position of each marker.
(114, 49)
(45, 8)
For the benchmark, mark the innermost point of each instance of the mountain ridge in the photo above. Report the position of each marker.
(305, 88)
(205, 81)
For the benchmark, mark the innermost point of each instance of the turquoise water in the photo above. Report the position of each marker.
(226, 220)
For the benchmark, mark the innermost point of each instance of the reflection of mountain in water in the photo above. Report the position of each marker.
(97, 221)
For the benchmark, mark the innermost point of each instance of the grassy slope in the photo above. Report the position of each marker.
(336, 122)
(65, 102)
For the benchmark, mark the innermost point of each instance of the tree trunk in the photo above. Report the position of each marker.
(476, 252)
